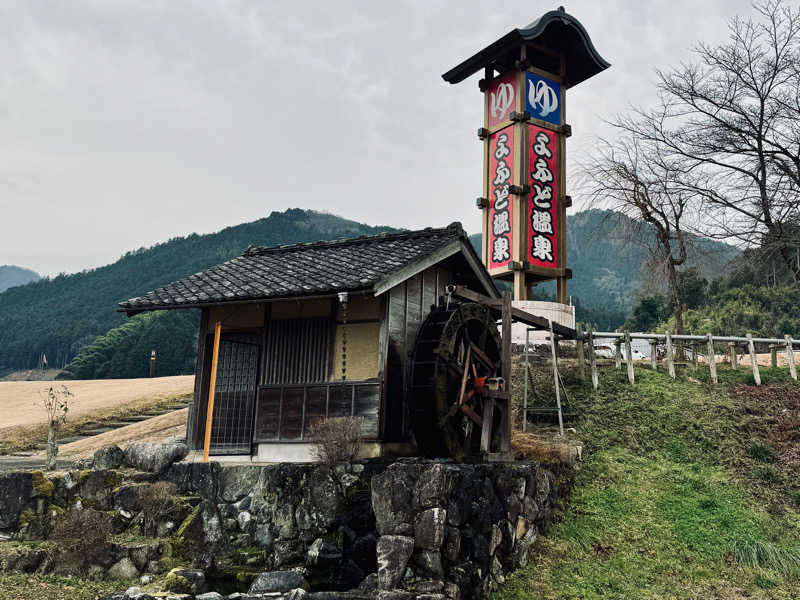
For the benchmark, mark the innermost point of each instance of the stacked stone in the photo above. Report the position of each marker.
(399, 530)
(455, 530)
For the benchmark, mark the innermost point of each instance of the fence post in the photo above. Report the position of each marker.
(525, 397)
(732, 353)
(694, 356)
(773, 355)
(629, 357)
(712, 358)
(670, 356)
(790, 356)
(618, 354)
(654, 354)
(592, 359)
(553, 347)
(753, 358)
(579, 348)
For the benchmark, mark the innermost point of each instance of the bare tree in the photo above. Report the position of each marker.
(633, 177)
(56, 402)
(733, 117)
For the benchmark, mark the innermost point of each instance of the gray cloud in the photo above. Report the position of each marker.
(126, 123)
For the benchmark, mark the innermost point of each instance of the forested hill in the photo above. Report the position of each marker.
(609, 270)
(61, 315)
(11, 276)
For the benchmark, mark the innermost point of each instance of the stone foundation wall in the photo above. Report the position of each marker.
(404, 529)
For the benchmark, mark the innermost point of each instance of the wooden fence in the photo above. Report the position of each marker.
(674, 344)
(680, 342)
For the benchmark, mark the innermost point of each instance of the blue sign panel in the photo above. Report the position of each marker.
(543, 98)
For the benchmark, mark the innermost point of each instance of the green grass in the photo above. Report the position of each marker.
(19, 586)
(672, 501)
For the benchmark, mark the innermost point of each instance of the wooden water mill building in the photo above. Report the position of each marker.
(333, 329)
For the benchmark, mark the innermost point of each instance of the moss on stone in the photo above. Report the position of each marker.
(192, 516)
(25, 518)
(43, 487)
(176, 583)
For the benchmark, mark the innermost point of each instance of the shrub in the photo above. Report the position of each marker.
(767, 474)
(766, 555)
(157, 500)
(761, 452)
(82, 533)
(336, 439)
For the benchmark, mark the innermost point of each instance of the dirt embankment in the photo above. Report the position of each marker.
(23, 419)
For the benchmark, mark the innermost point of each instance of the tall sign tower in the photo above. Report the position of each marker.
(526, 75)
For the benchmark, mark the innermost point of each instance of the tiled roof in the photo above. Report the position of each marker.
(299, 270)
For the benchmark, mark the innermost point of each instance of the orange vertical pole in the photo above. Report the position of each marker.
(212, 385)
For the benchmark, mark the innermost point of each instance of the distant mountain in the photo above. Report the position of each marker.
(59, 316)
(608, 270)
(64, 315)
(11, 276)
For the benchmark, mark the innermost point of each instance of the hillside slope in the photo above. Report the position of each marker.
(687, 490)
(59, 316)
(12, 276)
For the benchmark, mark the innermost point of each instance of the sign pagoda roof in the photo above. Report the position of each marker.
(556, 32)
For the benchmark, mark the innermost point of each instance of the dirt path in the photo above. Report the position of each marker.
(20, 404)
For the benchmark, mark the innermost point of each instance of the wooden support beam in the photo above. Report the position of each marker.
(525, 396)
(670, 356)
(694, 356)
(790, 357)
(773, 355)
(629, 358)
(654, 354)
(712, 358)
(554, 351)
(733, 358)
(505, 430)
(618, 354)
(592, 359)
(211, 388)
(579, 349)
(516, 313)
(753, 359)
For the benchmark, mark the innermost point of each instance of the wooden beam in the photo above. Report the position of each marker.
(579, 349)
(670, 356)
(211, 386)
(517, 314)
(592, 359)
(712, 358)
(554, 352)
(654, 354)
(629, 358)
(790, 356)
(753, 359)
(407, 272)
(505, 431)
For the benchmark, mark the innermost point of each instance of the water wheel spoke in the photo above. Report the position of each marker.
(474, 417)
(481, 357)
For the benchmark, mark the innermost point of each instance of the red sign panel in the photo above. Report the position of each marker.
(501, 164)
(542, 226)
(502, 96)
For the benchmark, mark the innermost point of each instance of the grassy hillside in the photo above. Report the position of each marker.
(11, 276)
(687, 491)
(762, 311)
(61, 315)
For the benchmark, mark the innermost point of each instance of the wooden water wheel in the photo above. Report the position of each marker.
(456, 363)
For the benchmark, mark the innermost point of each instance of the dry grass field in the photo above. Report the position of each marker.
(23, 420)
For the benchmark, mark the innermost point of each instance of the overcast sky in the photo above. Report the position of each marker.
(123, 124)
